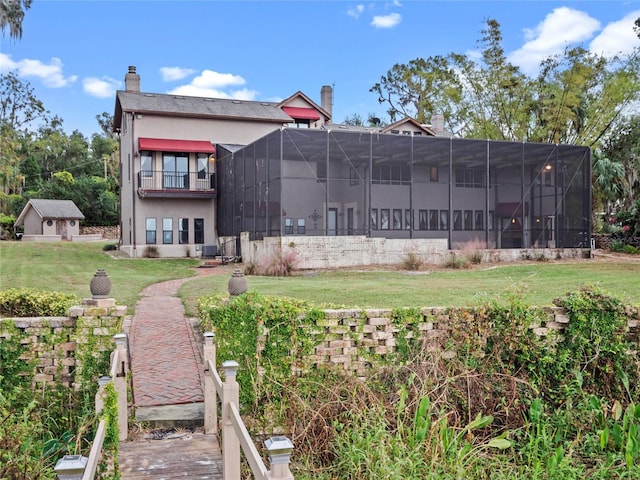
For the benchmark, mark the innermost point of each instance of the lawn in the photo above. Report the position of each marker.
(537, 282)
(69, 267)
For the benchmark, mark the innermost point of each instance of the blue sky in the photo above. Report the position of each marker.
(75, 54)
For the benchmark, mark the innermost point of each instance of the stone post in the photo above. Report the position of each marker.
(120, 384)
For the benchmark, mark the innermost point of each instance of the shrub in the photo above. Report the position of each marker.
(454, 261)
(250, 269)
(281, 265)
(151, 251)
(412, 261)
(26, 302)
(110, 247)
(630, 249)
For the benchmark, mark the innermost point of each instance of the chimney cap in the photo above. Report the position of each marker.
(132, 69)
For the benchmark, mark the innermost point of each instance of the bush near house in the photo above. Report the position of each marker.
(502, 400)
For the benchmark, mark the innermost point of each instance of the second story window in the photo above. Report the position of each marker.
(175, 170)
(146, 163)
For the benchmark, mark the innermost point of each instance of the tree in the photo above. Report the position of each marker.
(576, 98)
(622, 147)
(357, 121)
(11, 16)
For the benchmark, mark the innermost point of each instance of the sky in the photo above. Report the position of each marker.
(75, 54)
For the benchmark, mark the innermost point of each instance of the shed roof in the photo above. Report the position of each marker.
(48, 209)
(186, 106)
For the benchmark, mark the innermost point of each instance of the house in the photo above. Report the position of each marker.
(199, 172)
(49, 220)
(168, 157)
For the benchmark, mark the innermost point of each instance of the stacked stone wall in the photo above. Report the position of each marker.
(106, 232)
(356, 341)
(56, 345)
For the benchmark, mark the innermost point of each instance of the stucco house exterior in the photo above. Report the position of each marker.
(168, 159)
(196, 172)
(49, 220)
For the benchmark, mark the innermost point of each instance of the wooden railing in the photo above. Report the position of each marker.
(85, 467)
(234, 432)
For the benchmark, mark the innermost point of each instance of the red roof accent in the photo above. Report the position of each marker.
(301, 112)
(167, 145)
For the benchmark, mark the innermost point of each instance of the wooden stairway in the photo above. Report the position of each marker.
(170, 455)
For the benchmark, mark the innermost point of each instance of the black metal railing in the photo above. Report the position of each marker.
(160, 180)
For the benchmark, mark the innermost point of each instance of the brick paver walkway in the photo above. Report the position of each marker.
(165, 361)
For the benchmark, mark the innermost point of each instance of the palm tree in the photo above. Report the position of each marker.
(11, 16)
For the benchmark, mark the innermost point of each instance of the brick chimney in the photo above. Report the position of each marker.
(132, 81)
(326, 99)
(437, 123)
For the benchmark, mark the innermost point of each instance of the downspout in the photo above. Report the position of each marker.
(133, 182)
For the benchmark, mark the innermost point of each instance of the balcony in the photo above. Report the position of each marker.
(159, 184)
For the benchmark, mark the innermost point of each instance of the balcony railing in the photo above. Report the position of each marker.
(161, 183)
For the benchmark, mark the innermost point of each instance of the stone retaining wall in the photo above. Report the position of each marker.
(355, 340)
(105, 232)
(57, 344)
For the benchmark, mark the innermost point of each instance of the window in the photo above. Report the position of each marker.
(167, 230)
(384, 219)
(470, 177)
(444, 219)
(433, 174)
(302, 228)
(423, 215)
(288, 226)
(385, 174)
(406, 132)
(457, 220)
(321, 170)
(354, 176)
(373, 218)
(490, 220)
(72, 223)
(397, 219)
(198, 230)
(408, 219)
(203, 165)
(417, 134)
(146, 163)
(299, 123)
(183, 230)
(479, 220)
(468, 219)
(434, 219)
(395, 132)
(151, 230)
(175, 170)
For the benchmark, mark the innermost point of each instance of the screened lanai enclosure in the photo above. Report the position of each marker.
(341, 182)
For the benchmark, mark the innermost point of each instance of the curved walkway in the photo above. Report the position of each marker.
(165, 359)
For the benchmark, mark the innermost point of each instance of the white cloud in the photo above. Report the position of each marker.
(356, 11)
(171, 74)
(50, 74)
(211, 79)
(104, 87)
(216, 85)
(562, 27)
(386, 21)
(617, 37)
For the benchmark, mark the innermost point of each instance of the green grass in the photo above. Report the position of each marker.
(69, 267)
(538, 283)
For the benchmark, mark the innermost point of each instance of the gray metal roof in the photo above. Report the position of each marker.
(51, 209)
(180, 105)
